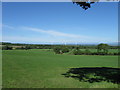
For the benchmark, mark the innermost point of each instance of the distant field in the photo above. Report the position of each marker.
(44, 69)
(109, 50)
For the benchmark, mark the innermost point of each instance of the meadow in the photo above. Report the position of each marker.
(109, 50)
(42, 68)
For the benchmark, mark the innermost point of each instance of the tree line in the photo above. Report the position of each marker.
(102, 49)
(6, 45)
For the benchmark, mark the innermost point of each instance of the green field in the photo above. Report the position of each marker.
(44, 69)
(109, 50)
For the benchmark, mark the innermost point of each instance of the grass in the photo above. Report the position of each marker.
(44, 69)
(109, 50)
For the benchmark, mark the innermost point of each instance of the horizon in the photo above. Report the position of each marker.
(83, 44)
(59, 23)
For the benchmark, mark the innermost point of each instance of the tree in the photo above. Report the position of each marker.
(6, 47)
(64, 50)
(27, 47)
(102, 48)
(84, 5)
(60, 50)
(77, 48)
(57, 50)
(77, 52)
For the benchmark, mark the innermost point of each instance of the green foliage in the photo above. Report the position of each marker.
(77, 48)
(87, 52)
(80, 52)
(20, 48)
(57, 50)
(60, 50)
(77, 52)
(5, 47)
(27, 47)
(45, 46)
(6, 43)
(103, 48)
(64, 49)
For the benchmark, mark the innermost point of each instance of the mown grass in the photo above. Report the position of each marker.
(44, 69)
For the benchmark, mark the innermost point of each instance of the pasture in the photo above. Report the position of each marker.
(41, 68)
(109, 50)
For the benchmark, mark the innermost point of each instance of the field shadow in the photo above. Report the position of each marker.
(94, 74)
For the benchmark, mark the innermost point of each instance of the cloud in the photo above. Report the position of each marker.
(51, 32)
(70, 37)
(49, 36)
(35, 39)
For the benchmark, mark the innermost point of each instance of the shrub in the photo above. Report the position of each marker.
(27, 47)
(77, 52)
(64, 50)
(87, 52)
(6, 47)
(60, 50)
(20, 48)
(110, 53)
(116, 53)
(57, 50)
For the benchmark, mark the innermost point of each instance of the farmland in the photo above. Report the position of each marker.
(71, 44)
(42, 68)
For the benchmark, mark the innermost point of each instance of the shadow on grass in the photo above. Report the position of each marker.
(94, 74)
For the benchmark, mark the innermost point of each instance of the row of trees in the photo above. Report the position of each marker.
(6, 47)
(102, 49)
(46, 46)
(88, 52)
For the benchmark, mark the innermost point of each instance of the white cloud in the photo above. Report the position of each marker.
(52, 32)
(60, 37)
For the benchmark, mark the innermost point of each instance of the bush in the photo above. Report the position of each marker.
(116, 53)
(60, 50)
(20, 48)
(57, 50)
(64, 50)
(87, 52)
(28, 47)
(77, 52)
(110, 53)
(6, 47)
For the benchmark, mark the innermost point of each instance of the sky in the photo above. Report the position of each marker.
(59, 22)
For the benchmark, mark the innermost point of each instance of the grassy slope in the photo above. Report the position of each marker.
(43, 69)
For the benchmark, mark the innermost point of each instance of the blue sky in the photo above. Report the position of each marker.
(59, 22)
